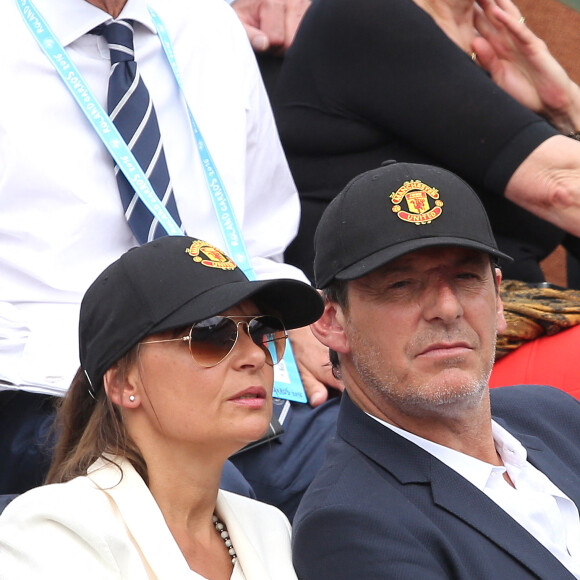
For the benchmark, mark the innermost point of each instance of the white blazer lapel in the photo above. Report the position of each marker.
(143, 518)
(249, 559)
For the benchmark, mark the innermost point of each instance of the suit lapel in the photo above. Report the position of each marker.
(410, 465)
(462, 499)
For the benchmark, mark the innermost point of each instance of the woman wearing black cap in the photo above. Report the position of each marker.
(177, 351)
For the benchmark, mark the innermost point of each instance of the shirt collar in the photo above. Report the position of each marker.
(71, 19)
(477, 472)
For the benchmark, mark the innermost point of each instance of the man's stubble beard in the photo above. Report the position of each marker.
(414, 399)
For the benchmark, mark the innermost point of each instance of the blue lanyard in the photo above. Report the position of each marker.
(288, 384)
(236, 247)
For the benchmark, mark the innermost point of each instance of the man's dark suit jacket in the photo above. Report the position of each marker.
(382, 507)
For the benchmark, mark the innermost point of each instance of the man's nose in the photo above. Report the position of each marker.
(442, 301)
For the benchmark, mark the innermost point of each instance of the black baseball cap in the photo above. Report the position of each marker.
(393, 210)
(171, 282)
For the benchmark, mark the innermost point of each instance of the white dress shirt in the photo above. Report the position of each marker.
(61, 218)
(533, 501)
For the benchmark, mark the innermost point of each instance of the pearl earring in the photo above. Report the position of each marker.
(132, 398)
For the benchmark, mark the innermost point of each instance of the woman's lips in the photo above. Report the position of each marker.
(254, 397)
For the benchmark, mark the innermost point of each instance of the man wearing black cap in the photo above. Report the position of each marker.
(430, 476)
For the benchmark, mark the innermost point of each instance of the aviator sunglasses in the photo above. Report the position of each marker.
(211, 340)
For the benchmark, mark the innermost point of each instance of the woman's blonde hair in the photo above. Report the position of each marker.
(89, 425)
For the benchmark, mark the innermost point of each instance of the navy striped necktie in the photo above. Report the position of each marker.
(131, 109)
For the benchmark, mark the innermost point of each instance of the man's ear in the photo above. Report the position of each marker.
(501, 322)
(329, 328)
(120, 387)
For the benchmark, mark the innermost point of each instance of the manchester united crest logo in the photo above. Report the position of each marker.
(417, 197)
(210, 256)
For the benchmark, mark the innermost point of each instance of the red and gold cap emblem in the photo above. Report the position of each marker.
(417, 194)
(209, 256)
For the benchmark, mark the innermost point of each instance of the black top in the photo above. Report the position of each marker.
(370, 80)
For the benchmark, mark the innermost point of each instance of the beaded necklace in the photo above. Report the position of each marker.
(223, 532)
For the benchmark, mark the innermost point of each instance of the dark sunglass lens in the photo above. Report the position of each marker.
(269, 333)
(212, 339)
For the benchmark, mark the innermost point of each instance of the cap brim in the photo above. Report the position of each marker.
(386, 255)
(295, 302)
